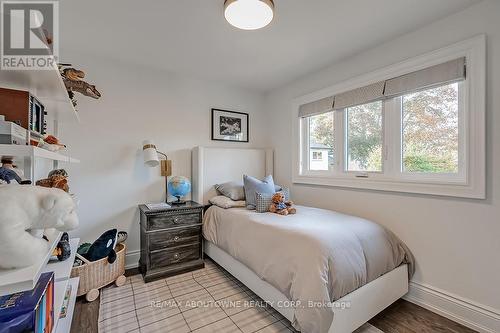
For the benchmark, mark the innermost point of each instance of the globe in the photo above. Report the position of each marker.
(179, 186)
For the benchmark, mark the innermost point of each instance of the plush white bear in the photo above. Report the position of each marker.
(25, 211)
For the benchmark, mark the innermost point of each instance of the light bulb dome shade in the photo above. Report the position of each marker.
(249, 14)
(150, 155)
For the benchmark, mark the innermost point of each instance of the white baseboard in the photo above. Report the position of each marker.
(466, 312)
(132, 259)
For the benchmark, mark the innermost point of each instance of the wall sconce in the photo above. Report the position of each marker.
(151, 160)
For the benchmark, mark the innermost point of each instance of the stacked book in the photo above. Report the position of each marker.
(30, 310)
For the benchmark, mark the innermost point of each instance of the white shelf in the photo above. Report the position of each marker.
(34, 152)
(63, 325)
(46, 85)
(20, 279)
(62, 269)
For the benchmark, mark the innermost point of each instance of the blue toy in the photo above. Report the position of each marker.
(8, 174)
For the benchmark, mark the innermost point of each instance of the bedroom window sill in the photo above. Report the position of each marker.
(450, 188)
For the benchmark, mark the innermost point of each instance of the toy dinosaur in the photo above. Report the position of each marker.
(83, 88)
(72, 74)
(73, 81)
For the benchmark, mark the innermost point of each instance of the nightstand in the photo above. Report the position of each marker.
(171, 240)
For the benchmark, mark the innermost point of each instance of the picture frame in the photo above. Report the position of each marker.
(230, 126)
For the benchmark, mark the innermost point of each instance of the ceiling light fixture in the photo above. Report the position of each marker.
(249, 14)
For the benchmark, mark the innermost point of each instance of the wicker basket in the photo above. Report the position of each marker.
(97, 274)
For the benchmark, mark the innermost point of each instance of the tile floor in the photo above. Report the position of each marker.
(179, 305)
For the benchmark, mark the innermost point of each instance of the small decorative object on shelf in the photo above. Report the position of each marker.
(56, 179)
(19, 222)
(179, 186)
(30, 310)
(9, 172)
(171, 241)
(50, 143)
(73, 80)
(12, 133)
(24, 109)
(63, 248)
(229, 126)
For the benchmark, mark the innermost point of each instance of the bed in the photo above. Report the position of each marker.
(317, 256)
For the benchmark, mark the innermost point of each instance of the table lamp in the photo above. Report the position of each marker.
(151, 159)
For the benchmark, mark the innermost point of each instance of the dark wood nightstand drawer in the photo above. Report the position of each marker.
(171, 240)
(165, 221)
(177, 255)
(175, 237)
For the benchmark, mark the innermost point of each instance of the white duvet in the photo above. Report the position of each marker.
(316, 255)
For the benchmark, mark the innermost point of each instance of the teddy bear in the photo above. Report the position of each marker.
(27, 211)
(280, 206)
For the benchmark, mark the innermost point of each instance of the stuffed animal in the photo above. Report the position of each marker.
(121, 237)
(60, 172)
(55, 181)
(51, 143)
(103, 247)
(7, 175)
(25, 211)
(280, 206)
(63, 248)
(9, 172)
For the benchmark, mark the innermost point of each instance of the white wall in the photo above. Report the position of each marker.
(139, 103)
(456, 242)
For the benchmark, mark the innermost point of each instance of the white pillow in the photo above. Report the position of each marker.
(225, 202)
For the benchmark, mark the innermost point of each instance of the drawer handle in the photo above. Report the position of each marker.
(176, 220)
(176, 238)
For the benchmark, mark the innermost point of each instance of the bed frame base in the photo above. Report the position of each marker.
(364, 302)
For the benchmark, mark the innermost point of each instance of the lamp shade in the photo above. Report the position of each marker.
(150, 155)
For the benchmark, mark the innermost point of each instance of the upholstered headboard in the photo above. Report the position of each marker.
(218, 165)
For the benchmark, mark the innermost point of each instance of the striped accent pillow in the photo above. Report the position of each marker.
(264, 200)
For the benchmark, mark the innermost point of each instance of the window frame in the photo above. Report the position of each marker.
(469, 182)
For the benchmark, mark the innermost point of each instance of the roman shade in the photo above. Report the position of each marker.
(445, 73)
(317, 107)
(448, 72)
(359, 96)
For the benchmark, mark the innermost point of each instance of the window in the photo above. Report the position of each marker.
(321, 141)
(364, 137)
(430, 130)
(419, 129)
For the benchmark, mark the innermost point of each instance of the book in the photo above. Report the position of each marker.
(64, 308)
(158, 206)
(30, 310)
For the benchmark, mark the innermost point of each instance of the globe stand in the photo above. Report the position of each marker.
(178, 202)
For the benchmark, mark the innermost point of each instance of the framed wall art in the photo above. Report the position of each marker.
(229, 126)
